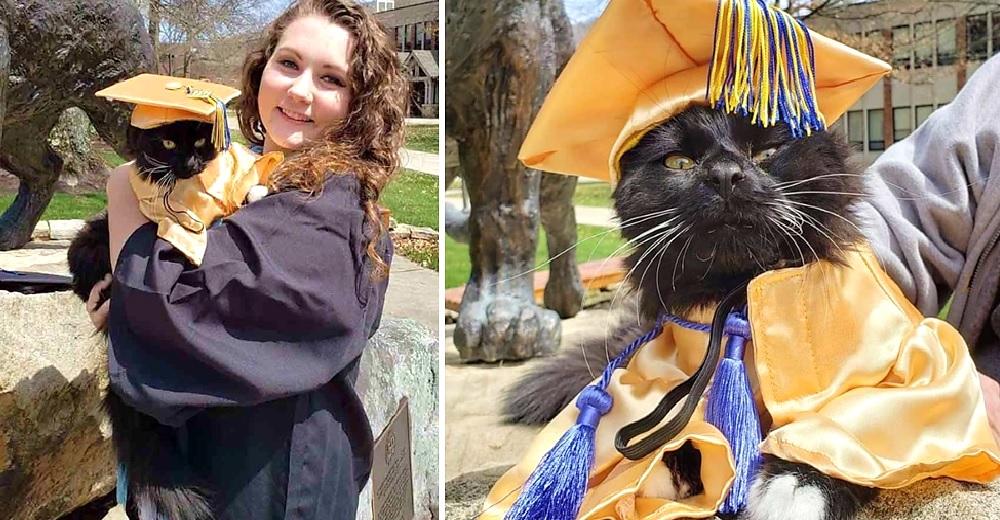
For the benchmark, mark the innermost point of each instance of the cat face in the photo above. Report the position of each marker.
(175, 151)
(710, 200)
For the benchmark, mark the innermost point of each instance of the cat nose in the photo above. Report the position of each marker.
(724, 177)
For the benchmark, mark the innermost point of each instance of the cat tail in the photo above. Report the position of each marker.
(553, 383)
(160, 485)
(89, 257)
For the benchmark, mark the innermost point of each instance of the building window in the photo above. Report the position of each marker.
(429, 37)
(946, 42)
(384, 5)
(856, 129)
(901, 44)
(923, 45)
(434, 35)
(875, 140)
(995, 36)
(902, 123)
(923, 112)
(419, 41)
(977, 37)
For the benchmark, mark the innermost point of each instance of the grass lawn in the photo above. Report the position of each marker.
(65, 206)
(423, 138)
(592, 194)
(593, 243)
(412, 197)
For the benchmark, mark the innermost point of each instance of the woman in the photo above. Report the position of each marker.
(253, 356)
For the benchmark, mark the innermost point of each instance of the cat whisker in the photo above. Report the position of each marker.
(683, 254)
(816, 224)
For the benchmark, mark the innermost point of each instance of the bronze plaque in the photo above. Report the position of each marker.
(392, 475)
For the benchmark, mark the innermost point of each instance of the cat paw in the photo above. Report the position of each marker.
(786, 497)
(257, 192)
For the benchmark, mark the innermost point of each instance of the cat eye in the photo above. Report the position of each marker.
(169, 145)
(678, 162)
(764, 154)
(199, 143)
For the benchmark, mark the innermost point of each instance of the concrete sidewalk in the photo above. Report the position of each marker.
(588, 215)
(423, 162)
(412, 293)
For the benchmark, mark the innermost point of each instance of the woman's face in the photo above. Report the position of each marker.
(305, 87)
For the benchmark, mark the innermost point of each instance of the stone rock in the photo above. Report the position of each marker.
(64, 229)
(55, 449)
(41, 231)
(932, 499)
(402, 360)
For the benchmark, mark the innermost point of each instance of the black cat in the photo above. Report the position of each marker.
(158, 484)
(709, 201)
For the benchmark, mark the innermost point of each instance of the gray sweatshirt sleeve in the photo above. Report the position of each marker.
(933, 204)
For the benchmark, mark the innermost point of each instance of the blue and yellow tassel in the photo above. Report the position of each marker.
(220, 132)
(763, 67)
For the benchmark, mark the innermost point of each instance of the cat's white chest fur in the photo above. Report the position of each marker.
(257, 192)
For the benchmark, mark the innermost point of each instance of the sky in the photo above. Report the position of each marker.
(582, 10)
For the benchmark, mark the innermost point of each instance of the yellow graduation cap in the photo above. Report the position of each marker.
(645, 61)
(160, 100)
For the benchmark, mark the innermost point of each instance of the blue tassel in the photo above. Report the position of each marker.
(555, 490)
(731, 409)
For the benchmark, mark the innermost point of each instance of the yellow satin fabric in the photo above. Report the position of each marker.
(855, 381)
(196, 202)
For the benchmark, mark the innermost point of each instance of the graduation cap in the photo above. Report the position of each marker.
(642, 63)
(161, 100)
(645, 61)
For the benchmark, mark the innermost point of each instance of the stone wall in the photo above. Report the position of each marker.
(55, 449)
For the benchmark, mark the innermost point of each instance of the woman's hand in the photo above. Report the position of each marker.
(991, 395)
(99, 313)
(123, 210)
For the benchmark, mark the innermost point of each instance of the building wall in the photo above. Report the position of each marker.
(933, 48)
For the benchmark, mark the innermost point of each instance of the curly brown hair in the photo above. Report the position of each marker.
(366, 143)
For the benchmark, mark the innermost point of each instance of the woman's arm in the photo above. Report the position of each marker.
(123, 210)
(933, 193)
(281, 304)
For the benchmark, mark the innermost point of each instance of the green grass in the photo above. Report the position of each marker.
(412, 197)
(591, 245)
(593, 194)
(423, 138)
(109, 156)
(65, 206)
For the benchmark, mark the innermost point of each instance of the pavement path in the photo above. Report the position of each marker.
(589, 215)
(423, 162)
(412, 293)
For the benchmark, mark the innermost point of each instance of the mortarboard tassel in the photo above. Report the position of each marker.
(730, 408)
(556, 487)
(220, 128)
(763, 67)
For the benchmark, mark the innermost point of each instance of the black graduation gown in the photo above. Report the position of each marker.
(253, 355)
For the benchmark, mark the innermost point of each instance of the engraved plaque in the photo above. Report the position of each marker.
(392, 475)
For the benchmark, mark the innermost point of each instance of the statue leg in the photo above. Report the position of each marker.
(564, 291)
(38, 168)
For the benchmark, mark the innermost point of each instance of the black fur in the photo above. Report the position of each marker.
(747, 200)
(160, 486)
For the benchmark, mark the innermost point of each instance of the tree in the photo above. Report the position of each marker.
(190, 28)
(502, 59)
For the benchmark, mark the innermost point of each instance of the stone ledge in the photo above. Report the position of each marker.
(931, 499)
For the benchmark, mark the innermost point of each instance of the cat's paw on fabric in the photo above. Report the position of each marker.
(789, 491)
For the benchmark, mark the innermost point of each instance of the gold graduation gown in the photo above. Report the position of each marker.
(195, 203)
(855, 381)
